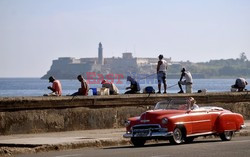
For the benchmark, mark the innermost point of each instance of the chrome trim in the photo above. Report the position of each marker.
(145, 121)
(147, 132)
(201, 134)
(190, 122)
(152, 134)
(243, 126)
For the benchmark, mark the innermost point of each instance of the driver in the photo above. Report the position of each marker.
(193, 105)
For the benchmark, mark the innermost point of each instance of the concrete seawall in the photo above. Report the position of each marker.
(20, 115)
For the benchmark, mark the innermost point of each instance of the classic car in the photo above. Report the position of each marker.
(174, 120)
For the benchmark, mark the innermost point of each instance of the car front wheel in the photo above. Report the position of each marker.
(138, 142)
(178, 136)
(226, 135)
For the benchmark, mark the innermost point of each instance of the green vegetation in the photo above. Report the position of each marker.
(223, 68)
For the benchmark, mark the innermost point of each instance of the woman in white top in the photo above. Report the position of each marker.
(193, 105)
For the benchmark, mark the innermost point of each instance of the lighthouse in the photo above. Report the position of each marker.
(100, 54)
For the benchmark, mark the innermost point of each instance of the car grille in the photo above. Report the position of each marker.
(145, 127)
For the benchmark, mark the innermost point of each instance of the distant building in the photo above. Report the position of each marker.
(100, 54)
(127, 55)
(69, 68)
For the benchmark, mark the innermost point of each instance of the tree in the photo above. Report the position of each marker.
(243, 56)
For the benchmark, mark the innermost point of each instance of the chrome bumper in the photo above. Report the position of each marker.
(148, 133)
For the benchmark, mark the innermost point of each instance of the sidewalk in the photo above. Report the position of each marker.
(25, 143)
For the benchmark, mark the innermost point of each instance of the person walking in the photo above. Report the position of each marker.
(161, 73)
(187, 82)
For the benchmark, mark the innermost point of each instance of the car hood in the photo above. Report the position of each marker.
(158, 114)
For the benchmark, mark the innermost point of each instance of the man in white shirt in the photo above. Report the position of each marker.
(187, 82)
(161, 73)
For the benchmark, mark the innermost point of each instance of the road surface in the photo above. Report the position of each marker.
(239, 146)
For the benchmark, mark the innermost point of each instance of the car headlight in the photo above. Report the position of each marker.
(127, 123)
(164, 121)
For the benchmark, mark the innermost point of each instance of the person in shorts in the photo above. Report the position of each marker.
(161, 73)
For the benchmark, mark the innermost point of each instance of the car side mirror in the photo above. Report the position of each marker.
(188, 111)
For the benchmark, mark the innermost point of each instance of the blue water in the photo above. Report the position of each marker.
(38, 87)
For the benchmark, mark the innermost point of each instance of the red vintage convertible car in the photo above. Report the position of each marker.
(173, 120)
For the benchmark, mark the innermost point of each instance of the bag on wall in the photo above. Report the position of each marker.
(149, 89)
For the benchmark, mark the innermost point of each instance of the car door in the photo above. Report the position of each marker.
(201, 121)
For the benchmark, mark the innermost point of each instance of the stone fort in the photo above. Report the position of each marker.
(70, 67)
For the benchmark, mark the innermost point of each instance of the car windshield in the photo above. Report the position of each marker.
(180, 104)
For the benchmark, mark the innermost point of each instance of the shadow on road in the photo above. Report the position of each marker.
(163, 144)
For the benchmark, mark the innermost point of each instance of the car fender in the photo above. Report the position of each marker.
(229, 122)
(180, 122)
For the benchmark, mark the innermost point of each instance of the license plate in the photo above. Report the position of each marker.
(141, 134)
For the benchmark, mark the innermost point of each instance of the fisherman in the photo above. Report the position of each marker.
(113, 90)
(56, 87)
(84, 87)
(161, 73)
(134, 86)
(239, 85)
(188, 81)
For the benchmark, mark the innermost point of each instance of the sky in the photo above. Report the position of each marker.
(33, 33)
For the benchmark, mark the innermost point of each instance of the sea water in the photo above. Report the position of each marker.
(38, 87)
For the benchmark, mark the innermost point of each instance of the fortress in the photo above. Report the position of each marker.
(69, 67)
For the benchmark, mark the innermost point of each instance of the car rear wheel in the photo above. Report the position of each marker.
(226, 135)
(138, 142)
(178, 136)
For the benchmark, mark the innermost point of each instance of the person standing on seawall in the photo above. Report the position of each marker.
(187, 82)
(161, 73)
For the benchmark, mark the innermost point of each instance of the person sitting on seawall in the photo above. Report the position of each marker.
(113, 90)
(239, 85)
(192, 102)
(188, 81)
(134, 86)
(161, 73)
(84, 87)
(56, 87)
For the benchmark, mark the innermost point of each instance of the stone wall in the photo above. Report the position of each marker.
(46, 114)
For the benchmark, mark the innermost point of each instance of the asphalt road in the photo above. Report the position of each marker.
(239, 146)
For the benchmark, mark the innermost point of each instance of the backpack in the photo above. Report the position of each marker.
(149, 89)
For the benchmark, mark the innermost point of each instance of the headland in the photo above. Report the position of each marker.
(101, 67)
